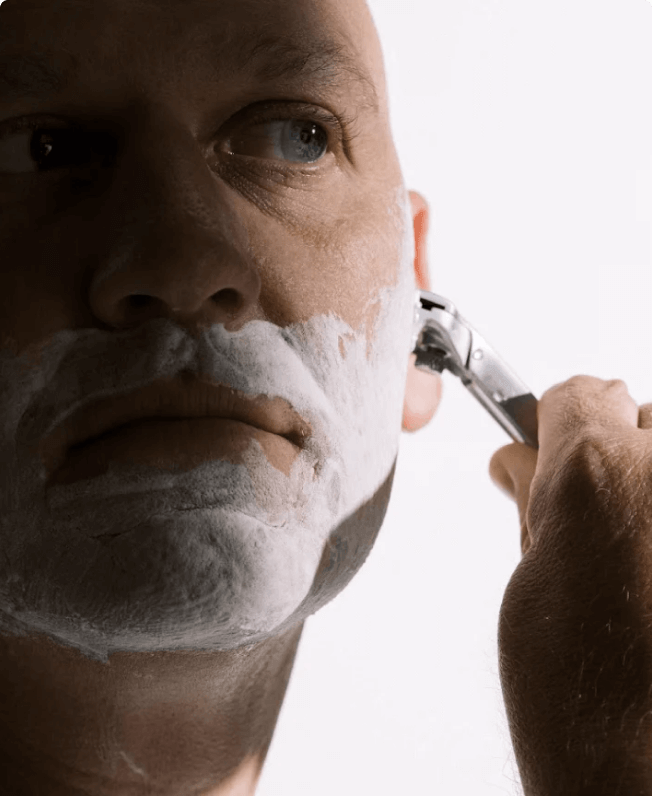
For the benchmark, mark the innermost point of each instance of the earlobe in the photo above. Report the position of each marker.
(423, 394)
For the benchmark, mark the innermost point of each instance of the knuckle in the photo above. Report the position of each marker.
(574, 385)
(572, 484)
(582, 383)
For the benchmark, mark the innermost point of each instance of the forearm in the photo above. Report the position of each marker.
(576, 675)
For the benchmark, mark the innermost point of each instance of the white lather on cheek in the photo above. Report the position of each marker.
(140, 559)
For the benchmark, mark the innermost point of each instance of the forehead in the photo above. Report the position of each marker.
(170, 39)
(160, 22)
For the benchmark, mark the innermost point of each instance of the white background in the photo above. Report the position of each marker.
(528, 128)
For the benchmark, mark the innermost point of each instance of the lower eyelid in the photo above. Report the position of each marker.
(249, 175)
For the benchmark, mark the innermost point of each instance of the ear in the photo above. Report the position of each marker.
(423, 390)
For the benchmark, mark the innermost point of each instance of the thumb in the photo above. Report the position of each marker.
(512, 469)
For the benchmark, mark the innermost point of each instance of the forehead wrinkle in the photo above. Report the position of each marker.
(325, 61)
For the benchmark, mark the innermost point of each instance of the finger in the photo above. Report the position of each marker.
(513, 466)
(499, 473)
(582, 405)
(645, 416)
(512, 469)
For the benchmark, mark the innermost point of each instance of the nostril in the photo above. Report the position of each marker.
(229, 298)
(138, 301)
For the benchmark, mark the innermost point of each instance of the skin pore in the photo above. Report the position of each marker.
(220, 241)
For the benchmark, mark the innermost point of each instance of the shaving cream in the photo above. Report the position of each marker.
(224, 555)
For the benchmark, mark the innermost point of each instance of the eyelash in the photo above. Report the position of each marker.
(342, 127)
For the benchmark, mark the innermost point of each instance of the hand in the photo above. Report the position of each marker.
(576, 416)
(575, 637)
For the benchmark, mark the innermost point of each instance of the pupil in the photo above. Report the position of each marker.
(43, 143)
(43, 146)
(52, 149)
(305, 136)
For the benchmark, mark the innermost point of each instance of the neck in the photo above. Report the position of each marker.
(169, 723)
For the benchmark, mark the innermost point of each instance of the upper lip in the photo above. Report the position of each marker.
(178, 398)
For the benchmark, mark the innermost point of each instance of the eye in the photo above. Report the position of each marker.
(32, 147)
(37, 146)
(296, 140)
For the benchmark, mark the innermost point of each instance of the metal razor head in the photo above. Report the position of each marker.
(444, 340)
(439, 341)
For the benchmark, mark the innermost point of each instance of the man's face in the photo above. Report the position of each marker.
(183, 203)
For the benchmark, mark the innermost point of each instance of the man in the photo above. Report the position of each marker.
(209, 266)
(206, 194)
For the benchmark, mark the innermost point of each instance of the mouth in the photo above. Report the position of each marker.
(171, 444)
(184, 414)
(163, 425)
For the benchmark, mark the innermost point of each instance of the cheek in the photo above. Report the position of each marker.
(41, 284)
(341, 275)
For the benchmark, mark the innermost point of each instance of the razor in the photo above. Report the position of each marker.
(444, 340)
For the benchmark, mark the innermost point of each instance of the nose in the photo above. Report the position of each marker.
(169, 241)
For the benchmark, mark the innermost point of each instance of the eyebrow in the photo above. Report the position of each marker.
(325, 62)
(28, 75)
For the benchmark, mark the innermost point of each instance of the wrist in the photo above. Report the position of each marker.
(576, 675)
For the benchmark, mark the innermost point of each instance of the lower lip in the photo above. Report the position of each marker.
(173, 445)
